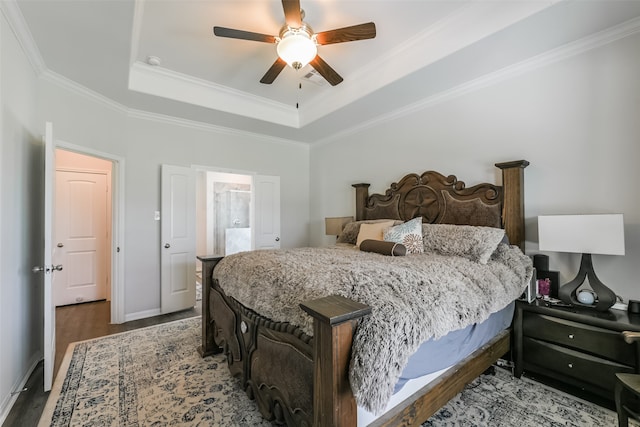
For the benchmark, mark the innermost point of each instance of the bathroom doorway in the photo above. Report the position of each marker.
(223, 213)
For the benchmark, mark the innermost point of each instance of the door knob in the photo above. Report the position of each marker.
(167, 246)
(57, 267)
(38, 269)
(60, 245)
(277, 239)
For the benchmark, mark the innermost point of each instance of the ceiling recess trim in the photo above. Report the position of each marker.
(169, 84)
(601, 38)
(463, 27)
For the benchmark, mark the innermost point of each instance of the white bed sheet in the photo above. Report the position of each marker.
(365, 417)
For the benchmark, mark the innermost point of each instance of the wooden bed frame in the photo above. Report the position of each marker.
(300, 380)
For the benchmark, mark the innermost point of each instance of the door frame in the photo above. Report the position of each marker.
(117, 224)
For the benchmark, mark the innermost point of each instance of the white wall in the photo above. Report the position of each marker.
(21, 226)
(575, 120)
(147, 144)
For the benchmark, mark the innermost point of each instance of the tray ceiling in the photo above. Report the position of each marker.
(422, 49)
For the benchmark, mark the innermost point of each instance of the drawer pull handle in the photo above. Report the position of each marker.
(570, 365)
(570, 336)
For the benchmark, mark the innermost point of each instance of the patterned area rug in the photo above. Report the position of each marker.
(155, 377)
(502, 400)
(148, 377)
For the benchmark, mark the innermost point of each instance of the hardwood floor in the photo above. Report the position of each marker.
(76, 323)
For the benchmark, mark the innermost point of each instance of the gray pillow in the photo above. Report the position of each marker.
(351, 229)
(472, 242)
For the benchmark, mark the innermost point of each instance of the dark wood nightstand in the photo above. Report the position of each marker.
(579, 348)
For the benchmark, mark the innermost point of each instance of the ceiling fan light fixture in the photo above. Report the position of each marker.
(297, 47)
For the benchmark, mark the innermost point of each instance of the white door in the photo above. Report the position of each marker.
(81, 237)
(47, 269)
(267, 212)
(178, 239)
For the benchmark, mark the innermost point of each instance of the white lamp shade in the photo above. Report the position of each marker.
(587, 234)
(297, 49)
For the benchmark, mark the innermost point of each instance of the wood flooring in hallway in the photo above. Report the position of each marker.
(77, 323)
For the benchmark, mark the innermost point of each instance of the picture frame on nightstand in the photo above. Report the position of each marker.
(531, 293)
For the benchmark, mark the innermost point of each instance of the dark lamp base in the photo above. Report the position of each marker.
(605, 296)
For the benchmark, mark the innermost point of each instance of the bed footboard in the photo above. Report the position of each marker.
(335, 320)
(208, 346)
(296, 380)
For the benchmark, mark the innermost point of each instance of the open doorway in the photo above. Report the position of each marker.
(223, 214)
(82, 233)
(82, 228)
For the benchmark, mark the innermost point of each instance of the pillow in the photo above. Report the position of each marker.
(472, 242)
(384, 248)
(350, 231)
(409, 234)
(372, 231)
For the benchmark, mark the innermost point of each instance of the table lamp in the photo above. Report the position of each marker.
(588, 235)
(333, 225)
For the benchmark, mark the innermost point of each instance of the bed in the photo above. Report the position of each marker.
(301, 370)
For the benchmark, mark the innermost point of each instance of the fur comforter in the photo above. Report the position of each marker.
(413, 298)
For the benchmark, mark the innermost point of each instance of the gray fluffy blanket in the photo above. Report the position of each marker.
(413, 298)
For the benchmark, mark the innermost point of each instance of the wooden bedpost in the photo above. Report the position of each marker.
(334, 322)
(513, 200)
(208, 346)
(362, 193)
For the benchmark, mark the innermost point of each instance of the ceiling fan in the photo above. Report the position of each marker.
(297, 44)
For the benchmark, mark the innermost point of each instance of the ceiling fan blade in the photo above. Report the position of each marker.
(273, 72)
(243, 35)
(292, 15)
(347, 34)
(326, 71)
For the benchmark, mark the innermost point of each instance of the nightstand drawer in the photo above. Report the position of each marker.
(583, 367)
(597, 341)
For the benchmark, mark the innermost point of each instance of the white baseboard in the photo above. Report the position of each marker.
(141, 314)
(9, 400)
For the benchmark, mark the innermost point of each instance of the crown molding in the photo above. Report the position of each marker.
(19, 27)
(561, 53)
(166, 83)
(102, 100)
(192, 124)
(83, 91)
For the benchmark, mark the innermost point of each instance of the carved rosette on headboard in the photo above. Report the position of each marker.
(440, 199)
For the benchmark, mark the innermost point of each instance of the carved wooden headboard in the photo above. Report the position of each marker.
(443, 199)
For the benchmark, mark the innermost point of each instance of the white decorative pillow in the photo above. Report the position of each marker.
(409, 234)
(472, 242)
(372, 231)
